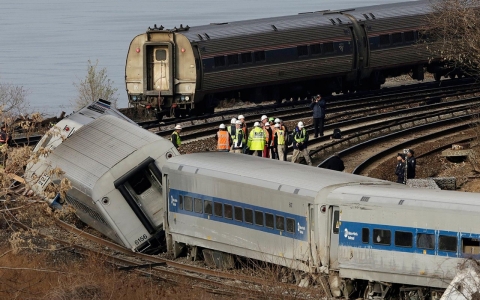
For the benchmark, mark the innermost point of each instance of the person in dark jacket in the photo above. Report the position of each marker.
(335, 163)
(400, 169)
(411, 164)
(318, 106)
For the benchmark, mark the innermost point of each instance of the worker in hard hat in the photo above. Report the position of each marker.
(175, 137)
(268, 140)
(264, 119)
(300, 139)
(238, 138)
(279, 142)
(245, 131)
(287, 140)
(231, 127)
(256, 139)
(224, 140)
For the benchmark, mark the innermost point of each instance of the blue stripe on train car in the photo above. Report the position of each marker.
(406, 239)
(298, 232)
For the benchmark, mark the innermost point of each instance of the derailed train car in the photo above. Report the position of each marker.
(191, 68)
(114, 169)
(372, 238)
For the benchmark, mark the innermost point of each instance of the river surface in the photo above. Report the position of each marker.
(46, 44)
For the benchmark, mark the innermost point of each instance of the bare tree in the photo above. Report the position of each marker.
(13, 101)
(455, 32)
(96, 85)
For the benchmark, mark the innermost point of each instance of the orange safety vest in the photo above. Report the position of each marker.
(223, 140)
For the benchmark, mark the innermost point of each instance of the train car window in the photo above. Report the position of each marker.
(246, 57)
(217, 209)
(403, 239)
(336, 221)
(232, 59)
(208, 207)
(471, 246)
(219, 61)
(409, 36)
(228, 211)
(180, 202)
(447, 243)
(268, 220)
(259, 55)
(425, 241)
(381, 236)
(315, 49)
(238, 213)
(139, 182)
(248, 216)
(328, 48)
(384, 39)
(280, 222)
(188, 203)
(160, 55)
(302, 50)
(397, 38)
(198, 205)
(365, 235)
(258, 218)
(291, 225)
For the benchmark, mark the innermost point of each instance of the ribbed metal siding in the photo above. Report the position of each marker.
(399, 56)
(271, 73)
(396, 24)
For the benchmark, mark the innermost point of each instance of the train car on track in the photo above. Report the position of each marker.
(372, 237)
(192, 68)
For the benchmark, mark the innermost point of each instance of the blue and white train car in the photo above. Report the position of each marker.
(371, 237)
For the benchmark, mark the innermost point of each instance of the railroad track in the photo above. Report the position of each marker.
(339, 112)
(218, 282)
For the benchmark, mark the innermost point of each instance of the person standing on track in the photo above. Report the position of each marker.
(238, 138)
(224, 140)
(279, 142)
(400, 169)
(318, 106)
(175, 138)
(300, 137)
(411, 164)
(245, 131)
(268, 140)
(256, 140)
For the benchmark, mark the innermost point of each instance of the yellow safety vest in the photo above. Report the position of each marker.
(280, 136)
(236, 142)
(176, 140)
(256, 139)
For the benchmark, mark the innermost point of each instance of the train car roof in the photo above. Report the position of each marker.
(98, 146)
(304, 20)
(268, 173)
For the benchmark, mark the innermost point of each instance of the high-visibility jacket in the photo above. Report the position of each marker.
(223, 140)
(301, 136)
(231, 129)
(175, 139)
(256, 139)
(280, 135)
(238, 139)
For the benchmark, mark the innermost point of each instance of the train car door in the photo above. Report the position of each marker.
(159, 70)
(334, 239)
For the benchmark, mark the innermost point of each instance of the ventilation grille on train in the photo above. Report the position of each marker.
(80, 206)
(365, 199)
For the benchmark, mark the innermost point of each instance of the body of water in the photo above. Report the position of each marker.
(45, 44)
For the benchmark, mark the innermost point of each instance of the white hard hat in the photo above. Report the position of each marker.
(178, 127)
(256, 124)
(300, 124)
(277, 120)
(267, 124)
(233, 121)
(263, 118)
(277, 125)
(238, 122)
(222, 126)
(241, 117)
